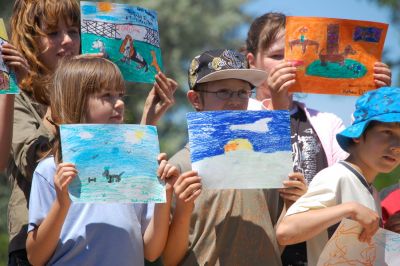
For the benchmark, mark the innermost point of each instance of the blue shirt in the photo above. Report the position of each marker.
(93, 233)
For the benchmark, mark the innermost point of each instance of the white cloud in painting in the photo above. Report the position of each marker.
(86, 135)
(259, 126)
(208, 130)
(134, 137)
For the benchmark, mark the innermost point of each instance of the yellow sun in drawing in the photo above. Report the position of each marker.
(105, 7)
(238, 144)
(139, 135)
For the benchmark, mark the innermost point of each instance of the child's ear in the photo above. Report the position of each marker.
(251, 59)
(356, 140)
(195, 99)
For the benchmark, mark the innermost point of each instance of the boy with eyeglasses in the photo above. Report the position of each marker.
(227, 227)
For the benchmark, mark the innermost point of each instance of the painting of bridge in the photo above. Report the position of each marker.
(333, 56)
(127, 35)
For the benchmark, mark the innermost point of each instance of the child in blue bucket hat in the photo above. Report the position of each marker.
(344, 190)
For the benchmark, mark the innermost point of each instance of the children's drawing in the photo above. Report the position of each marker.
(8, 83)
(240, 149)
(303, 41)
(116, 163)
(344, 248)
(334, 56)
(127, 35)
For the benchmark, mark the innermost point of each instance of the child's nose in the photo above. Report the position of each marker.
(66, 38)
(119, 103)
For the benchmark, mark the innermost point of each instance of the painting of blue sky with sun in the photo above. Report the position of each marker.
(115, 163)
(240, 149)
(127, 35)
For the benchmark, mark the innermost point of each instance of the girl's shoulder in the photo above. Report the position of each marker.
(46, 169)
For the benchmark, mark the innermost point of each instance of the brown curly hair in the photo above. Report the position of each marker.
(28, 19)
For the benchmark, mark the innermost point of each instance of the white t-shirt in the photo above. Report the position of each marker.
(332, 186)
(92, 233)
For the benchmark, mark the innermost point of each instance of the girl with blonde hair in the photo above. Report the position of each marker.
(90, 90)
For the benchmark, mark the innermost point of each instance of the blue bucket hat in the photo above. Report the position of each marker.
(381, 105)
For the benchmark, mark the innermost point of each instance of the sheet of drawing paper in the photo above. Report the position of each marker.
(344, 248)
(116, 163)
(333, 56)
(240, 149)
(127, 35)
(8, 84)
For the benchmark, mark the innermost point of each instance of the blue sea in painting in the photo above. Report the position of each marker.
(116, 163)
(240, 149)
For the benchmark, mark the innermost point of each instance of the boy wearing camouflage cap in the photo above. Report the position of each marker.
(227, 227)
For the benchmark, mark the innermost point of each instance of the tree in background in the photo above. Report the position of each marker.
(394, 7)
(187, 27)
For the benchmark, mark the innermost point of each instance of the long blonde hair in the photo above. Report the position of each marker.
(28, 19)
(75, 80)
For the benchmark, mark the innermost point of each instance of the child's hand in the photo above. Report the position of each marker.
(15, 60)
(65, 173)
(160, 98)
(167, 173)
(382, 74)
(187, 188)
(279, 80)
(369, 220)
(295, 187)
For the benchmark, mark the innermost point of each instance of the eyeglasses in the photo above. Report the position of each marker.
(225, 94)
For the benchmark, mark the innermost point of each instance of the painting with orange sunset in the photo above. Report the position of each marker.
(240, 149)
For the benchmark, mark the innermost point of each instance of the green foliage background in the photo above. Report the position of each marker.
(187, 27)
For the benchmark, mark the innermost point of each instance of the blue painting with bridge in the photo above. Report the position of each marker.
(127, 35)
(115, 163)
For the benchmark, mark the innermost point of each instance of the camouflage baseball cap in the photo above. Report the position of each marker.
(223, 64)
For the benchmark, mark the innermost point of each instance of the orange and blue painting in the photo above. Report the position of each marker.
(333, 56)
(344, 247)
(240, 149)
(115, 163)
(8, 84)
(127, 35)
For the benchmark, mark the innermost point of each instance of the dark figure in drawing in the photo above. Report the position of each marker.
(91, 179)
(337, 57)
(303, 42)
(111, 178)
(130, 53)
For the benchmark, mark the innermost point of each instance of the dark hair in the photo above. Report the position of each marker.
(264, 30)
(393, 222)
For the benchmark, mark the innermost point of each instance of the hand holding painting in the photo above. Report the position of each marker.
(10, 58)
(159, 99)
(293, 189)
(98, 99)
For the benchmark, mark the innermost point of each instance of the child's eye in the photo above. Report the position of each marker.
(106, 96)
(277, 56)
(387, 132)
(52, 33)
(73, 31)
